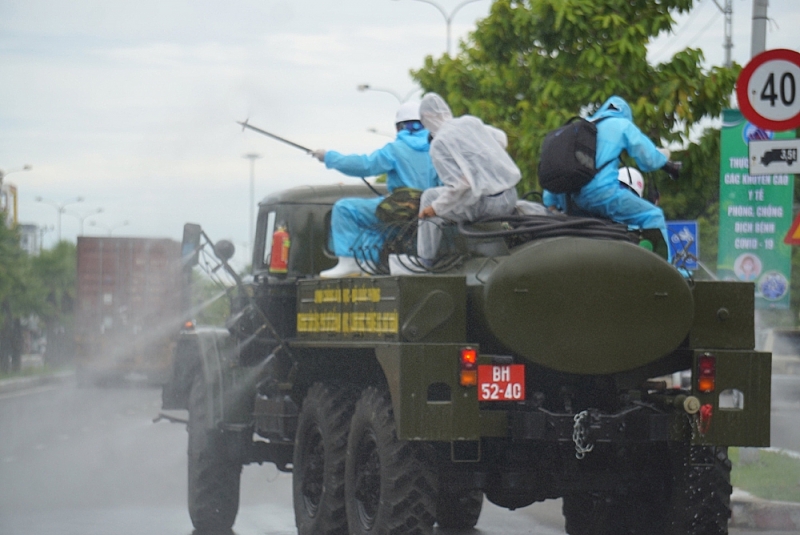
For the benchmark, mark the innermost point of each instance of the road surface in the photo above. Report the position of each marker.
(785, 422)
(89, 461)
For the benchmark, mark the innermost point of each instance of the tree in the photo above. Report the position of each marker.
(533, 64)
(20, 296)
(57, 270)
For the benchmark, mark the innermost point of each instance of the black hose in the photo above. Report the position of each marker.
(537, 227)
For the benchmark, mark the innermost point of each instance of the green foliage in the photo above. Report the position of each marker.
(774, 476)
(20, 293)
(695, 195)
(209, 301)
(533, 64)
(56, 269)
(42, 285)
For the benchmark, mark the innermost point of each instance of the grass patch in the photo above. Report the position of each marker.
(773, 476)
(29, 372)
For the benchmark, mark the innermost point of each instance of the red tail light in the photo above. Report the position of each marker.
(706, 374)
(469, 367)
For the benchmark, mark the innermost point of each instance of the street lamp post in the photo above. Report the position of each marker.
(395, 94)
(42, 231)
(108, 229)
(3, 174)
(59, 206)
(252, 156)
(82, 217)
(448, 18)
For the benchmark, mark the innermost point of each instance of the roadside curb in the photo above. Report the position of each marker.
(21, 383)
(751, 512)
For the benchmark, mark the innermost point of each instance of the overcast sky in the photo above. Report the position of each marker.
(131, 105)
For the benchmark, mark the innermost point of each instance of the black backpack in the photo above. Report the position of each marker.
(568, 155)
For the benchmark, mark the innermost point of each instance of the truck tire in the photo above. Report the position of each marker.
(390, 484)
(213, 475)
(458, 510)
(319, 459)
(700, 502)
(694, 499)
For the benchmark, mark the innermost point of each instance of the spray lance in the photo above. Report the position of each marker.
(246, 124)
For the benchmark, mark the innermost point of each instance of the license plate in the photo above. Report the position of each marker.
(501, 383)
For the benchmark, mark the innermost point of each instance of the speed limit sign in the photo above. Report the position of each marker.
(768, 90)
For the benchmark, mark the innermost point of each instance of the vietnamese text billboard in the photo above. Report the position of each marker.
(755, 214)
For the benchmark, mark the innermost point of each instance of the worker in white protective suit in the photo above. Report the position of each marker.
(479, 176)
(356, 235)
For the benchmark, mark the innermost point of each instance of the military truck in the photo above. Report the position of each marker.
(521, 367)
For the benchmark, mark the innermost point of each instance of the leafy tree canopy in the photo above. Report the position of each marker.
(57, 270)
(533, 64)
(20, 293)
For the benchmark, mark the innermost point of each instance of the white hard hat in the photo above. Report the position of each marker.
(631, 177)
(408, 111)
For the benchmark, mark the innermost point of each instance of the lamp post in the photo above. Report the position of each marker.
(3, 174)
(108, 229)
(82, 217)
(59, 206)
(252, 156)
(395, 94)
(447, 18)
(42, 231)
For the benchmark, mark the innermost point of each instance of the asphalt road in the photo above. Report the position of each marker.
(90, 462)
(785, 422)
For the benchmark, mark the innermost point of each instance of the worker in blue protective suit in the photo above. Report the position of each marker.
(603, 196)
(555, 202)
(356, 236)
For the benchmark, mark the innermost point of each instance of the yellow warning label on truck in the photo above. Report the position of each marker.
(348, 322)
(347, 295)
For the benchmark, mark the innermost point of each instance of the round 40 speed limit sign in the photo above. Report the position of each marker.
(768, 90)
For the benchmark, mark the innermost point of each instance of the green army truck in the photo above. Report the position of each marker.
(523, 366)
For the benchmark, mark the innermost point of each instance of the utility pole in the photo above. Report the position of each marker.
(758, 42)
(728, 44)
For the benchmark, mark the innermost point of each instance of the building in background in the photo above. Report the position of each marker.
(29, 238)
(8, 203)
(30, 235)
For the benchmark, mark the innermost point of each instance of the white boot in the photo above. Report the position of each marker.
(347, 267)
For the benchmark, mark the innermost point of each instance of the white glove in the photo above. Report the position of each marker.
(319, 154)
(665, 152)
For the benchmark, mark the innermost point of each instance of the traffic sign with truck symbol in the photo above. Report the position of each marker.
(774, 156)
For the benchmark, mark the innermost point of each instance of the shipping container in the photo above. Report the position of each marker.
(129, 301)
